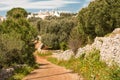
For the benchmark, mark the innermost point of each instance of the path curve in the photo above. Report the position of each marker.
(49, 71)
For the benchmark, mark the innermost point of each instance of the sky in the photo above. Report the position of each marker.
(37, 5)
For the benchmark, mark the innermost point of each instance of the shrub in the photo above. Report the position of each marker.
(75, 40)
(63, 46)
(21, 73)
(10, 49)
(90, 67)
(55, 31)
(17, 13)
(115, 75)
(16, 34)
(50, 40)
(99, 18)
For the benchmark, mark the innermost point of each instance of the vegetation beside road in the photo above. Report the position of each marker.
(90, 67)
(20, 73)
(69, 31)
(44, 54)
(16, 46)
(72, 31)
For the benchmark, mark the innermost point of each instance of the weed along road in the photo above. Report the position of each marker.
(49, 71)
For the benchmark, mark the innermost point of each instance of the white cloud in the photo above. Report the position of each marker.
(27, 4)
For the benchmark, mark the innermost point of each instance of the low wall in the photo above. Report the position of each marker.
(109, 47)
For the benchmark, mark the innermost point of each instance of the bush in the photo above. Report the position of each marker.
(21, 73)
(63, 46)
(99, 18)
(90, 67)
(51, 40)
(17, 13)
(75, 40)
(54, 32)
(10, 49)
(115, 75)
(16, 34)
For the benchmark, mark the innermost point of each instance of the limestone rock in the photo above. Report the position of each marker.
(109, 49)
(66, 55)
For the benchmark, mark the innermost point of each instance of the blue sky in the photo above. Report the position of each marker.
(37, 5)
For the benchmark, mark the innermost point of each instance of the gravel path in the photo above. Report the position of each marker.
(49, 71)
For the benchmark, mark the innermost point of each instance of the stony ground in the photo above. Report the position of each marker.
(49, 71)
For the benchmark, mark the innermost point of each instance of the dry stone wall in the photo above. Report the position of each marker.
(66, 55)
(109, 49)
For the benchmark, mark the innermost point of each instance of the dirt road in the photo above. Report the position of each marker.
(49, 71)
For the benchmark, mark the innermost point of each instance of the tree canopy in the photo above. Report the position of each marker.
(55, 31)
(16, 45)
(99, 18)
(17, 13)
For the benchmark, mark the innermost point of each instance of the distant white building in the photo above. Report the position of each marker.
(56, 14)
(2, 18)
(29, 16)
(43, 15)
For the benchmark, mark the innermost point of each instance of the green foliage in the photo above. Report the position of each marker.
(17, 13)
(53, 60)
(115, 75)
(0, 20)
(67, 15)
(90, 67)
(10, 49)
(45, 54)
(51, 40)
(51, 17)
(35, 22)
(55, 31)
(16, 45)
(99, 18)
(75, 40)
(21, 73)
(63, 46)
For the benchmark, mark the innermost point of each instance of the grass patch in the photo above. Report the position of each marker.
(21, 73)
(90, 67)
(45, 54)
